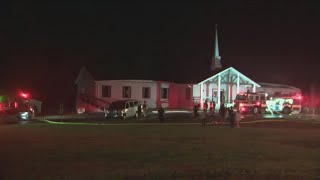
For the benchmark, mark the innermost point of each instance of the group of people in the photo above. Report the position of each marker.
(234, 116)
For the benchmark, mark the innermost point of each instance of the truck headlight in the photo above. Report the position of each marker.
(24, 115)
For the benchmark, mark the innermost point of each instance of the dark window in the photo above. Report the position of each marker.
(241, 97)
(188, 93)
(262, 97)
(293, 93)
(164, 93)
(126, 92)
(106, 91)
(277, 93)
(131, 104)
(146, 92)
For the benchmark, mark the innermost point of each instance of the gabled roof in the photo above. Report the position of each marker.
(234, 71)
(84, 74)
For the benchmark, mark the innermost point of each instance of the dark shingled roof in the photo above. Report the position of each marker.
(184, 77)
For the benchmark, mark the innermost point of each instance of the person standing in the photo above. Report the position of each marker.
(222, 112)
(160, 114)
(144, 108)
(205, 108)
(139, 110)
(195, 111)
(231, 117)
(237, 119)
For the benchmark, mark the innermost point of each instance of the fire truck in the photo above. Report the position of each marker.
(259, 103)
(16, 106)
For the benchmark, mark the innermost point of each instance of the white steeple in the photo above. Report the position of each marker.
(216, 59)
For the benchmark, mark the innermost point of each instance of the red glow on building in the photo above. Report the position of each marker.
(258, 103)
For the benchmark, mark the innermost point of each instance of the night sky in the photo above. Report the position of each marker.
(44, 45)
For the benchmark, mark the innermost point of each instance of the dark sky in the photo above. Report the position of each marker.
(44, 45)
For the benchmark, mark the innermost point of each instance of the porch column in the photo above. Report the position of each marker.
(201, 94)
(238, 83)
(219, 84)
(207, 89)
(254, 88)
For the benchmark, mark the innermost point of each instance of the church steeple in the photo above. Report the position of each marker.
(216, 59)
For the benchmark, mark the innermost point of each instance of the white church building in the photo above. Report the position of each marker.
(222, 87)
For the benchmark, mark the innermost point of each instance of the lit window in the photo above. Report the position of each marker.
(106, 91)
(164, 93)
(126, 92)
(146, 92)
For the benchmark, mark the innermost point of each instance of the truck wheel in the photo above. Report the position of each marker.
(124, 116)
(286, 110)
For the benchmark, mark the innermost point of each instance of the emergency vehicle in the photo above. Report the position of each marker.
(259, 103)
(17, 106)
(248, 103)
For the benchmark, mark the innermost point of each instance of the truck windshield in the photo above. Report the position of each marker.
(241, 97)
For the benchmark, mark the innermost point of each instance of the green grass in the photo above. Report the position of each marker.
(279, 150)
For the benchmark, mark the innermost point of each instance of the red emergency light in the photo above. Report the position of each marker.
(24, 95)
(258, 103)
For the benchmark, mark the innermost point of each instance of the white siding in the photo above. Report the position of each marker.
(136, 90)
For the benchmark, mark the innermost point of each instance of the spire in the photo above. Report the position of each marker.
(216, 60)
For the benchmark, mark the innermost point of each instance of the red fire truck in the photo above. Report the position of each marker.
(248, 103)
(259, 103)
(16, 107)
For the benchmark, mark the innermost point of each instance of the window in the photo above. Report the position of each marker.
(188, 93)
(262, 97)
(164, 93)
(131, 104)
(277, 93)
(106, 91)
(293, 94)
(126, 92)
(146, 92)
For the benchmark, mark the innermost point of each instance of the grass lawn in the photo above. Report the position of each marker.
(271, 150)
